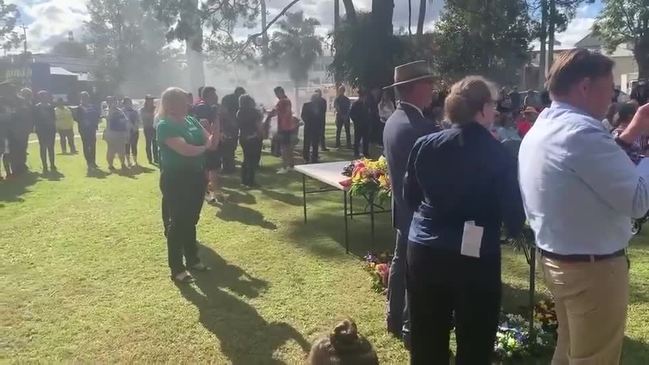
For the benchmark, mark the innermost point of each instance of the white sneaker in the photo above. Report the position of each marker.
(282, 171)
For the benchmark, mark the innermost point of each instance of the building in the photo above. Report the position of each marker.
(624, 72)
(64, 77)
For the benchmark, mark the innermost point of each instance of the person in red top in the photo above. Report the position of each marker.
(525, 123)
(286, 128)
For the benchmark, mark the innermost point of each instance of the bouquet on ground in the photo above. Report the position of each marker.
(379, 268)
(513, 340)
(368, 178)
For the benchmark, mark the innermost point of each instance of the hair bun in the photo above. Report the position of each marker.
(345, 336)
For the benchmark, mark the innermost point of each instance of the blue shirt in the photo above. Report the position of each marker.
(579, 188)
(458, 175)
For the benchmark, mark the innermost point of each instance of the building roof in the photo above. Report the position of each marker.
(590, 41)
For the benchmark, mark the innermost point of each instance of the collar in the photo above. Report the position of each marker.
(559, 105)
(413, 106)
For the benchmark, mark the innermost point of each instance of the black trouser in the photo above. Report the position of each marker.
(131, 146)
(323, 128)
(312, 138)
(229, 145)
(182, 201)
(67, 134)
(343, 121)
(151, 144)
(251, 156)
(46, 138)
(89, 142)
(18, 146)
(441, 283)
(361, 136)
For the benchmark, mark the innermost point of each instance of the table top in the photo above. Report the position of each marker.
(330, 173)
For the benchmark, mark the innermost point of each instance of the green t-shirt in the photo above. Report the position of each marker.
(191, 132)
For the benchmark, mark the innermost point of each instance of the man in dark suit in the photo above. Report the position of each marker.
(414, 85)
(322, 118)
(311, 113)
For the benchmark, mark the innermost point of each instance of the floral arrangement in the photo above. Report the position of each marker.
(379, 268)
(544, 313)
(513, 340)
(368, 178)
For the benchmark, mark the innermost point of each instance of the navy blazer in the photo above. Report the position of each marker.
(458, 175)
(402, 130)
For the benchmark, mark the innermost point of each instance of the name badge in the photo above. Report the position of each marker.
(471, 239)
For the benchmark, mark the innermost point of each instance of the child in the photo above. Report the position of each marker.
(343, 346)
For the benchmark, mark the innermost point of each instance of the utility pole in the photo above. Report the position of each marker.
(24, 39)
(25, 76)
(337, 81)
(264, 35)
(551, 30)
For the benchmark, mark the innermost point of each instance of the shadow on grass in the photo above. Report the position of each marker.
(53, 175)
(244, 336)
(12, 190)
(635, 352)
(231, 212)
(332, 226)
(287, 198)
(239, 197)
(97, 174)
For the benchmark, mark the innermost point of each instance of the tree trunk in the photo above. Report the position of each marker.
(409, 17)
(422, 17)
(264, 35)
(350, 11)
(542, 40)
(195, 65)
(551, 26)
(337, 78)
(641, 54)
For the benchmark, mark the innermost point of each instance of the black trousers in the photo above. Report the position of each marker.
(361, 137)
(312, 138)
(251, 157)
(182, 201)
(46, 138)
(151, 144)
(67, 135)
(441, 283)
(229, 145)
(18, 147)
(89, 142)
(131, 146)
(323, 138)
(342, 121)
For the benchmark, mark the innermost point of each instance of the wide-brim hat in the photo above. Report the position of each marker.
(149, 97)
(411, 72)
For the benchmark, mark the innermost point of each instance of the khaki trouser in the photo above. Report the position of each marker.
(591, 303)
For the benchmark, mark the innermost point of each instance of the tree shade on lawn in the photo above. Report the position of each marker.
(85, 275)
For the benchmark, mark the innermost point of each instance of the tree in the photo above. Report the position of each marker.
(626, 22)
(296, 46)
(422, 17)
(70, 49)
(365, 46)
(192, 21)
(9, 15)
(467, 44)
(127, 43)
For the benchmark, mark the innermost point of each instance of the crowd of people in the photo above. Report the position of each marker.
(464, 163)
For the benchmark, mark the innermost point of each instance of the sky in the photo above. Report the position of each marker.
(49, 21)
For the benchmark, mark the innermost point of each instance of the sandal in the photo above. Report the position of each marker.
(199, 267)
(183, 278)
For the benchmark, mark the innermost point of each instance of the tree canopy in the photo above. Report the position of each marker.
(70, 48)
(9, 14)
(467, 44)
(295, 46)
(626, 21)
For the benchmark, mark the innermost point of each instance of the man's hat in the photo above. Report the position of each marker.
(149, 97)
(411, 72)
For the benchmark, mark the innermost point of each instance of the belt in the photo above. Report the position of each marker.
(581, 258)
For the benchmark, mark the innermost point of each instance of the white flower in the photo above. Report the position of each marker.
(539, 341)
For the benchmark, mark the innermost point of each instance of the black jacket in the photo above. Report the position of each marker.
(458, 175)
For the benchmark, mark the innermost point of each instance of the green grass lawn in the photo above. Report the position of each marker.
(85, 277)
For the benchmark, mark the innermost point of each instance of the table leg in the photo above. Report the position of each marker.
(346, 227)
(532, 292)
(304, 195)
(351, 207)
(372, 221)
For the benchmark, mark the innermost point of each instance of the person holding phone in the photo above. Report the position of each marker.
(183, 144)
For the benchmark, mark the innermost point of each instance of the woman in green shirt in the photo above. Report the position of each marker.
(183, 142)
